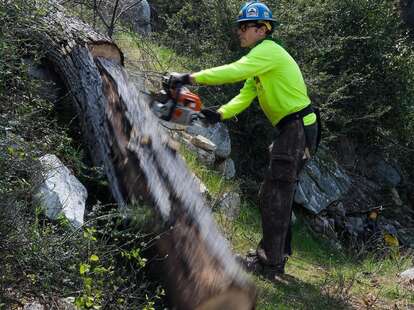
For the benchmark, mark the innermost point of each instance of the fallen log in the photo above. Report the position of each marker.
(142, 165)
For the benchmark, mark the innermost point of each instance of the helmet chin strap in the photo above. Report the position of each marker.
(266, 23)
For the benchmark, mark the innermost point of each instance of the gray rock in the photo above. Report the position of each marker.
(33, 306)
(408, 275)
(294, 219)
(205, 157)
(322, 182)
(389, 228)
(139, 16)
(323, 226)
(218, 134)
(337, 209)
(354, 225)
(406, 236)
(227, 168)
(203, 188)
(396, 197)
(230, 205)
(331, 222)
(378, 169)
(203, 143)
(60, 192)
(67, 303)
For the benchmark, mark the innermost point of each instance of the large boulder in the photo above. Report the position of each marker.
(218, 134)
(322, 182)
(61, 193)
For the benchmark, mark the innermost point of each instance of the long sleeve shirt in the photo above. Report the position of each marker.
(270, 74)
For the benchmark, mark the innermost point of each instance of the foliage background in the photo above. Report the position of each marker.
(356, 57)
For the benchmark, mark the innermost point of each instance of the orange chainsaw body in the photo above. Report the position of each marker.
(177, 105)
(187, 102)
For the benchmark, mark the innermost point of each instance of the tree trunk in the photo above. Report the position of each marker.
(142, 165)
(407, 12)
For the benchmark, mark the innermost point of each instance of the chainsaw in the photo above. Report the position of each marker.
(176, 103)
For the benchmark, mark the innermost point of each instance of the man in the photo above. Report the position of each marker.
(272, 75)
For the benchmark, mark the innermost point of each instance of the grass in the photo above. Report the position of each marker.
(214, 181)
(322, 277)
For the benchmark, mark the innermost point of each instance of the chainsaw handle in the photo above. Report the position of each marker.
(201, 119)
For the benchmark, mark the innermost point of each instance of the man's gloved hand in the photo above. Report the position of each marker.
(178, 78)
(211, 115)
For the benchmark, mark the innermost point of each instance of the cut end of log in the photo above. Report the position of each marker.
(234, 299)
(107, 50)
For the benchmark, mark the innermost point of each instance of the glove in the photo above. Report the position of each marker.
(178, 79)
(211, 115)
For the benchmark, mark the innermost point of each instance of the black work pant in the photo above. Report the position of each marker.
(287, 158)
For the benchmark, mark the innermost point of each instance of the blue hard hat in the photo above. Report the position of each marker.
(254, 11)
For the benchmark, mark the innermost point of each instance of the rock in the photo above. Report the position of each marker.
(363, 195)
(203, 143)
(203, 188)
(337, 209)
(218, 134)
(227, 168)
(322, 225)
(322, 182)
(230, 205)
(406, 236)
(408, 275)
(293, 219)
(396, 197)
(33, 306)
(379, 170)
(205, 157)
(354, 225)
(331, 222)
(60, 192)
(67, 303)
(139, 16)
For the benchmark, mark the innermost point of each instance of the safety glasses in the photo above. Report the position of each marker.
(244, 26)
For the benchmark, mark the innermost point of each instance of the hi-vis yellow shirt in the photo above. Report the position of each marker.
(271, 74)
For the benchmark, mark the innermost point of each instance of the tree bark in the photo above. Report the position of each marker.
(407, 12)
(142, 165)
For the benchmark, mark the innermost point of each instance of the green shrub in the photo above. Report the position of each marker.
(356, 57)
(40, 259)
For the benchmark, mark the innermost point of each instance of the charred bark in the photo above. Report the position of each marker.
(141, 164)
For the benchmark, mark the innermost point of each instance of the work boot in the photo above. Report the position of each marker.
(250, 262)
(276, 273)
(269, 272)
